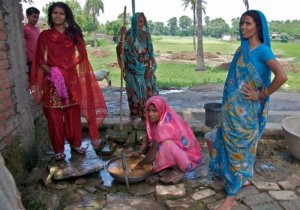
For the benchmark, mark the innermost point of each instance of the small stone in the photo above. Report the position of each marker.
(170, 191)
(90, 189)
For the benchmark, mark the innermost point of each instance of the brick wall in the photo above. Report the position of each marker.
(23, 128)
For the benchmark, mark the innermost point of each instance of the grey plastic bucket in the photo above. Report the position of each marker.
(213, 114)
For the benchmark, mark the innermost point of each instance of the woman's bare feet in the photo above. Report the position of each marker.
(227, 204)
(246, 183)
(172, 176)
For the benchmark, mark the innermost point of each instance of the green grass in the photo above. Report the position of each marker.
(175, 74)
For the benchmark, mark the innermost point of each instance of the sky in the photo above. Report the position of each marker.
(163, 10)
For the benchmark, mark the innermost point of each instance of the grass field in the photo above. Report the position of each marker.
(174, 74)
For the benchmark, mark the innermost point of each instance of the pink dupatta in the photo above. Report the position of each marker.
(173, 128)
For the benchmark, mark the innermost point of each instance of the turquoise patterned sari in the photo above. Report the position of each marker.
(243, 121)
(139, 74)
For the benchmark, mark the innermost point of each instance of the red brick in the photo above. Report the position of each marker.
(4, 65)
(3, 75)
(5, 115)
(4, 84)
(4, 93)
(3, 55)
(5, 104)
(3, 35)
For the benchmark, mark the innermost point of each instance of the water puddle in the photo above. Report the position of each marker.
(165, 92)
(105, 176)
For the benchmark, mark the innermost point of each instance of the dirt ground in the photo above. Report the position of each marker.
(274, 162)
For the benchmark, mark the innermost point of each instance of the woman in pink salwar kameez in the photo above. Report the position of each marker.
(173, 148)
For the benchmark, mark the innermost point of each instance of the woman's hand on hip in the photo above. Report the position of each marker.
(250, 94)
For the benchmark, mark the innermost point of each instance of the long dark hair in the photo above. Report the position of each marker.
(256, 17)
(73, 29)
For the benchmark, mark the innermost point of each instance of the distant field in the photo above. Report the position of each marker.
(174, 74)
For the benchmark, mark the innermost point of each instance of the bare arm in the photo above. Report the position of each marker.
(280, 76)
(46, 68)
(150, 157)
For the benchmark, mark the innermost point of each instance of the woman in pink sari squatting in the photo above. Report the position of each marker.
(174, 150)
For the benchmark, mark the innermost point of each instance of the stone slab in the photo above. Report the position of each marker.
(75, 165)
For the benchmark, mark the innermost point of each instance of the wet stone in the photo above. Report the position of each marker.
(266, 186)
(203, 194)
(75, 165)
(283, 195)
(117, 136)
(291, 205)
(179, 204)
(125, 127)
(257, 199)
(267, 206)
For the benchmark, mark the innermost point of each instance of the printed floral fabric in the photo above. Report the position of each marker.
(243, 121)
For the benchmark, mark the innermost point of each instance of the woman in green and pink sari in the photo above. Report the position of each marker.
(140, 66)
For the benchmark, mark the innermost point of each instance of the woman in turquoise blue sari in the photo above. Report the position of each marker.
(245, 105)
(140, 66)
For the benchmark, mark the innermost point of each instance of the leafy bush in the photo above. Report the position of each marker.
(284, 37)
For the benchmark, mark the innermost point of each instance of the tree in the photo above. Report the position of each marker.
(217, 27)
(200, 53)
(235, 26)
(173, 25)
(193, 4)
(92, 8)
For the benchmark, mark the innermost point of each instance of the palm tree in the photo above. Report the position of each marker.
(92, 8)
(200, 54)
(186, 3)
(246, 4)
(193, 4)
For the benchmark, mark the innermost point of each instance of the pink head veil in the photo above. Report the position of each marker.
(170, 125)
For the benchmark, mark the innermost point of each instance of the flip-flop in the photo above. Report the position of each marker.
(79, 150)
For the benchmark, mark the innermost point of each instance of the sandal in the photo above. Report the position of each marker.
(79, 150)
(60, 156)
